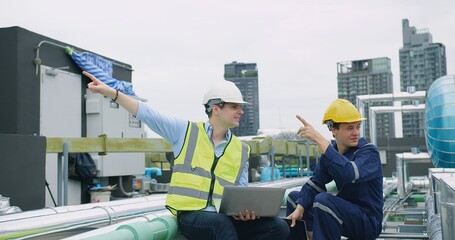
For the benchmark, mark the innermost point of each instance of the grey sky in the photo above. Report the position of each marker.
(178, 47)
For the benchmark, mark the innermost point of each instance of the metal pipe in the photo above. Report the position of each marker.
(97, 215)
(122, 190)
(38, 60)
(433, 220)
(64, 209)
(288, 183)
(65, 173)
(405, 186)
(397, 203)
(393, 97)
(401, 181)
(389, 188)
(296, 186)
(404, 212)
(423, 183)
(59, 177)
(101, 215)
(401, 235)
(389, 109)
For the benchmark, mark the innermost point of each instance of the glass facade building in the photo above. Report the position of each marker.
(368, 77)
(245, 77)
(421, 63)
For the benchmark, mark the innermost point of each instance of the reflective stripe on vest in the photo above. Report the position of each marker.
(191, 177)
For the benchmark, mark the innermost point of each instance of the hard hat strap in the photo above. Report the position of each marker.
(329, 124)
(208, 107)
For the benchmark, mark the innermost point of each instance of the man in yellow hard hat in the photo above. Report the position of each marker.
(356, 210)
(208, 158)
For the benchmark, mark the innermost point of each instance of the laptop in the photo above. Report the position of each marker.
(264, 201)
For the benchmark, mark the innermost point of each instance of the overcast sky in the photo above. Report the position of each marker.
(178, 47)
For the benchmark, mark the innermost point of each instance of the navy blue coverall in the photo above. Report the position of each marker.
(356, 211)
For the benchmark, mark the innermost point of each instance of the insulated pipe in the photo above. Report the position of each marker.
(103, 230)
(108, 213)
(64, 209)
(422, 183)
(103, 215)
(433, 220)
(389, 188)
(402, 236)
(389, 109)
(402, 160)
(163, 228)
(287, 183)
(393, 97)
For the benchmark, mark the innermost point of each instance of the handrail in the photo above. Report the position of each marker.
(104, 145)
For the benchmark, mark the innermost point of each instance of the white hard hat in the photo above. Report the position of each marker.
(226, 91)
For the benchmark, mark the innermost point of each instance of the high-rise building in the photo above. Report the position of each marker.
(368, 77)
(421, 62)
(245, 76)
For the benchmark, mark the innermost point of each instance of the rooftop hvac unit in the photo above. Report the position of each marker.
(105, 116)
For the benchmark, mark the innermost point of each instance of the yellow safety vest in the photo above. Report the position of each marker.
(193, 178)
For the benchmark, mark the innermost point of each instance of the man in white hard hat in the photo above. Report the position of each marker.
(208, 157)
(356, 211)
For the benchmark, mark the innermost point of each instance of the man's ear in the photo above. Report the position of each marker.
(333, 130)
(215, 109)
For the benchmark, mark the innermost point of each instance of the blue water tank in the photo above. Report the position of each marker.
(440, 122)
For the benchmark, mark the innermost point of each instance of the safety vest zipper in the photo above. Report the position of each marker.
(212, 182)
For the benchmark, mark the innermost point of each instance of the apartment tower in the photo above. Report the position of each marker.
(245, 76)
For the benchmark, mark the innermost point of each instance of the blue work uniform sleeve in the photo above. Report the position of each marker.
(315, 185)
(363, 167)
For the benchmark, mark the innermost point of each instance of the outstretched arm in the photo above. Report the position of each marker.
(127, 102)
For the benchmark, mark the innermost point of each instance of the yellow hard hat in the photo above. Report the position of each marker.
(342, 111)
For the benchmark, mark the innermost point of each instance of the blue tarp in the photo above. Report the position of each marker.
(100, 68)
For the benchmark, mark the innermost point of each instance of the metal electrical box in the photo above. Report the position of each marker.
(105, 116)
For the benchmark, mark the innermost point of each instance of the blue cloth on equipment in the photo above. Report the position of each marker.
(101, 69)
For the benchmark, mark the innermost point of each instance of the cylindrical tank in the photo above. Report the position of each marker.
(440, 122)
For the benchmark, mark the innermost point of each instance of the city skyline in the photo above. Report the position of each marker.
(177, 48)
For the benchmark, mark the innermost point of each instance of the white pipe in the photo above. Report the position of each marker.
(64, 209)
(389, 109)
(48, 221)
(395, 97)
(290, 184)
(402, 159)
(100, 215)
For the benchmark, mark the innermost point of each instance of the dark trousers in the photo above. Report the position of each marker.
(212, 225)
(332, 217)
